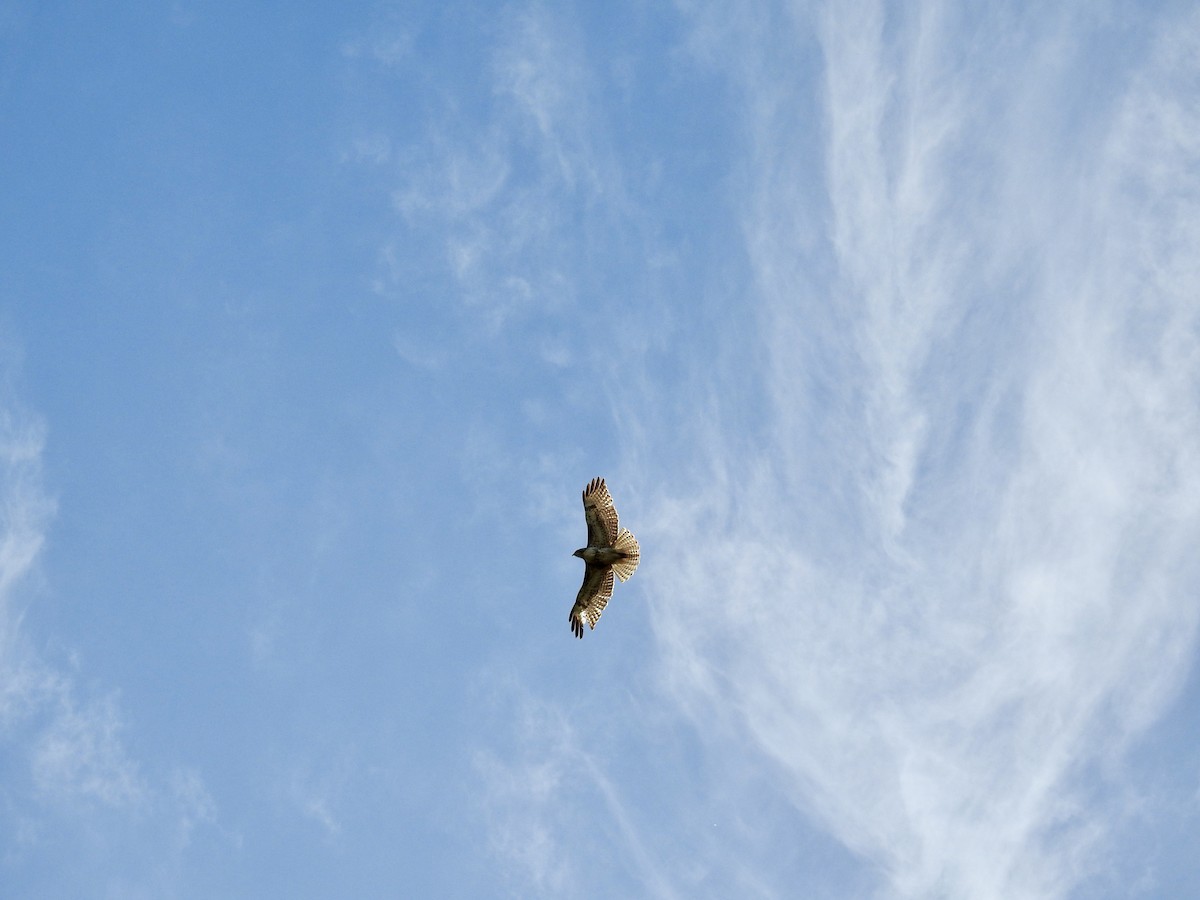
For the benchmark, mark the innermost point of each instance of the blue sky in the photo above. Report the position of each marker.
(880, 320)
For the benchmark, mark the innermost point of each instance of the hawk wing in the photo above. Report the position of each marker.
(600, 513)
(593, 597)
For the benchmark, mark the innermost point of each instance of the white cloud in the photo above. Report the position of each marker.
(387, 44)
(196, 805)
(72, 745)
(535, 805)
(938, 589)
(500, 201)
(317, 791)
(26, 510)
(68, 774)
(79, 756)
(522, 831)
(957, 580)
(368, 149)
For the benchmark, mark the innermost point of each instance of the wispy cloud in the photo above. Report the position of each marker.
(194, 804)
(387, 45)
(521, 792)
(536, 821)
(66, 764)
(71, 745)
(955, 577)
(80, 754)
(498, 200)
(936, 585)
(26, 509)
(317, 791)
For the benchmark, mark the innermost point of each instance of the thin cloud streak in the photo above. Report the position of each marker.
(960, 577)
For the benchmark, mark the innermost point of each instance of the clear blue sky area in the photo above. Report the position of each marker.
(880, 320)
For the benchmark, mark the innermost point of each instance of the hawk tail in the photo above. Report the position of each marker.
(627, 544)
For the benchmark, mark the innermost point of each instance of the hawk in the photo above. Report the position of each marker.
(609, 551)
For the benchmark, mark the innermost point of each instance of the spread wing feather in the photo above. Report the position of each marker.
(600, 513)
(593, 596)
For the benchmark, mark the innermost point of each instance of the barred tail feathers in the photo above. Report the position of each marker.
(628, 545)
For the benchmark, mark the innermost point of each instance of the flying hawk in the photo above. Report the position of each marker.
(609, 550)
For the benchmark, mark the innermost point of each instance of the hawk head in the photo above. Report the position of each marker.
(579, 552)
